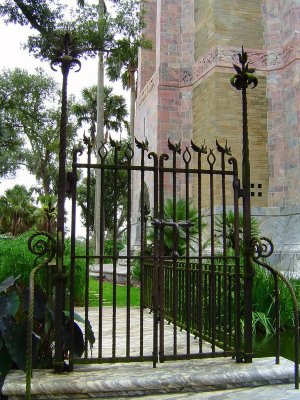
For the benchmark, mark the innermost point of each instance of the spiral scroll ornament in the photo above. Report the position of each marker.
(42, 244)
(261, 247)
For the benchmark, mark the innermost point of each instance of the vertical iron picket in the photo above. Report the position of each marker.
(87, 249)
(102, 154)
(128, 157)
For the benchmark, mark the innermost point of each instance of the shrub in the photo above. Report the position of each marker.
(16, 260)
(14, 302)
(109, 249)
(229, 225)
(181, 208)
(264, 302)
(80, 268)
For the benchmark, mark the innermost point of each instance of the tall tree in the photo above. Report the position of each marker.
(108, 196)
(30, 118)
(16, 210)
(115, 113)
(114, 116)
(122, 61)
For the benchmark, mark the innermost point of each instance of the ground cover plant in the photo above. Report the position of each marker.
(14, 311)
(264, 302)
(108, 294)
(16, 260)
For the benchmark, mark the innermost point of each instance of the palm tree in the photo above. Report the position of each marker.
(122, 61)
(123, 64)
(46, 215)
(16, 210)
(229, 221)
(115, 111)
(181, 207)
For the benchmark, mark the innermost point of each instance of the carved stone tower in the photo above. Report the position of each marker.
(184, 93)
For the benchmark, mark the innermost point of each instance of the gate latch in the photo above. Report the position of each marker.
(160, 223)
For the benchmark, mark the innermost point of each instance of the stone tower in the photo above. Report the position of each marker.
(184, 93)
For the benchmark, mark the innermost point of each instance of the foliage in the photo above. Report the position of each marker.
(16, 260)
(46, 215)
(109, 195)
(88, 32)
(121, 298)
(109, 248)
(122, 61)
(13, 328)
(16, 210)
(30, 118)
(180, 215)
(115, 111)
(264, 302)
(230, 231)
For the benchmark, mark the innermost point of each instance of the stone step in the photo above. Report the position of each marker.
(178, 379)
(121, 272)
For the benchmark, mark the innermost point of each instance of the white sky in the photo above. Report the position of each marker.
(12, 56)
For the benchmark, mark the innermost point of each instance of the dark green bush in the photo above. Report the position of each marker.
(109, 248)
(264, 302)
(14, 312)
(16, 259)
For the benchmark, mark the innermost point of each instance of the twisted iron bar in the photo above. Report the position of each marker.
(41, 248)
(263, 248)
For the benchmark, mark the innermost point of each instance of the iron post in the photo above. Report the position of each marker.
(241, 81)
(66, 61)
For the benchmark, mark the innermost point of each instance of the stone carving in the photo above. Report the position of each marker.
(151, 84)
(186, 77)
(274, 58)
(205, 63)
(260, 59)
(289, 52)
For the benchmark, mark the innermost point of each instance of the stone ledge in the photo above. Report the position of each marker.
(115, 380)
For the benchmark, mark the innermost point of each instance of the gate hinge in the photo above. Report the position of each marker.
(241, 192)
(71, 180)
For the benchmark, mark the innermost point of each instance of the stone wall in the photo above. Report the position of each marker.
(184, 92)
(226, 26)
(282, 41)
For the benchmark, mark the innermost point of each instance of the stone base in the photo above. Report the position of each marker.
(125, 380)
(282, 226)
(121, 272)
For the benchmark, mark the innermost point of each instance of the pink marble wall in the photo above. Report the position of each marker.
(147, 61)
(171, 106)
(282, 42)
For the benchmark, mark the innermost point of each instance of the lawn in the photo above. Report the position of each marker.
(108, 294)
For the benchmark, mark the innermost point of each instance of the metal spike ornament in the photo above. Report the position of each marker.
(245, 75)
(243, 79)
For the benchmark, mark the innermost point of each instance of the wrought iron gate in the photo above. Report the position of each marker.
(192, 293)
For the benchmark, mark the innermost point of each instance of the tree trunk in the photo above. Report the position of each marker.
(99, 136)
(132, 103)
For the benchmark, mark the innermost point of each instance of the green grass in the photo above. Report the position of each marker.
(264, 302)
(108, 294)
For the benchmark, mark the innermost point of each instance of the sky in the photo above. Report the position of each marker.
(13, 56)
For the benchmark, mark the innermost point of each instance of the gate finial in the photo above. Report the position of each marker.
(176, 147)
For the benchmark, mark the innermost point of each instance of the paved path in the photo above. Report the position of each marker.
(135, 333)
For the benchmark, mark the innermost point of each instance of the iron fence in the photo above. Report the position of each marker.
(191, 308)
(200, 294)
